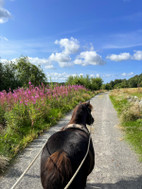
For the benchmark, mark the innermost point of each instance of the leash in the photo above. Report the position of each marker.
(71, 180)
(28, 167)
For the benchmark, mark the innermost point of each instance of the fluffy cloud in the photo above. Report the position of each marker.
(41, 61)
(3, 38)
(62, 58)
(4, 14)
(120, 57)
(89, 57)
(137, 55)
(127, 74)
(71, 46)
(125, 56)
(37, 60)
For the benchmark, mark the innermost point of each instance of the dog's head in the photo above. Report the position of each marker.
(89, 117)
(82, 114)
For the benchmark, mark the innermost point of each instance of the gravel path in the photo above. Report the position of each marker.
(117, 166)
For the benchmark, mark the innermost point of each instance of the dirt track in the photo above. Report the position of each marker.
(117, 166)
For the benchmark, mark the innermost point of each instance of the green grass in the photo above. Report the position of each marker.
(130, 121)
(119, 104)
(139, 95)
(133, 135)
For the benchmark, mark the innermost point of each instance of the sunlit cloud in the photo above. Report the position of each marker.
(125, 56)
(71, 46)
(3, 38)
(4, 13)
(89, 58)
(127, 74)
(137, 55)
(119, 57)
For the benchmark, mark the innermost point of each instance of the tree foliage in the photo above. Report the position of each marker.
(26, 72)
(89, 83)
(8, 78)
(14, 75)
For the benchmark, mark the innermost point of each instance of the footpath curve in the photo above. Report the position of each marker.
(116, 167)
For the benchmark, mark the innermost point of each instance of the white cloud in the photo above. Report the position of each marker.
(3, 38)
(127, 74)
(107, 75)
(41, 61)
(71, 46)
(120, 57)
(62, 58)
(49, 66)
(4, 61)
(137, 55)
(37, 60)
(97, 75)
(89, 57)
(125, 56)
(4, 15)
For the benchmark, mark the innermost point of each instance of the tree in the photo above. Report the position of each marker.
(7, 76)
(26, 72)
(96, 83)
(89, 83)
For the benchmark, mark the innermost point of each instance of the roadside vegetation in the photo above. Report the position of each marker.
(25, 113)
(128, 103)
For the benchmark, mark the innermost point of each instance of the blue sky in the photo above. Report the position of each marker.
(101, 38)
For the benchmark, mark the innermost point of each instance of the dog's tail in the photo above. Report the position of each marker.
(57, 171)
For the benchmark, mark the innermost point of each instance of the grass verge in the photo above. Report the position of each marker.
(130, 114)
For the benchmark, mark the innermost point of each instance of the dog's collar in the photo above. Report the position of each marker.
(76, 126)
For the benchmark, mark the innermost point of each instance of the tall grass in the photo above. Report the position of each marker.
(128, 102)
(25, 113)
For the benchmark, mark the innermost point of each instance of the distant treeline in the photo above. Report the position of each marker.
(133, 82)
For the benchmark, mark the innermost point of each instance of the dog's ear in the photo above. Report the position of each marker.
(89, 105)
(88, 102)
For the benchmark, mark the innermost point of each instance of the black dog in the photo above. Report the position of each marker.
(65, 150)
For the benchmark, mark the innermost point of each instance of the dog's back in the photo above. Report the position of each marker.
(61, 157)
